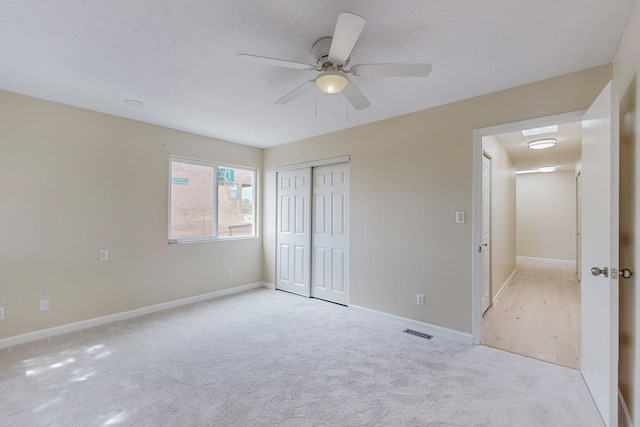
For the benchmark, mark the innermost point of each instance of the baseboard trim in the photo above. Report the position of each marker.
(504, 286)
(625, 409)
(97, 321)
(269, 286)
(549, 260)
(437, 331)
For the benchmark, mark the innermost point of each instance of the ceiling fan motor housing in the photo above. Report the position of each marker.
(320, 51)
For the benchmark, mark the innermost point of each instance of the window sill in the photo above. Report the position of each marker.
(209, 239)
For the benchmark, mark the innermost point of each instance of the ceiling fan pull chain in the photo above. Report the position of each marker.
(315, 103)
(346, 103)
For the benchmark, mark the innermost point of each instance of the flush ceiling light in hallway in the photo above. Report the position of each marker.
(547, 169)
(541, 144)
(540, 169)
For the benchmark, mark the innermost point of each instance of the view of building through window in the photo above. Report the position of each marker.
(198, 201)
(235, 202)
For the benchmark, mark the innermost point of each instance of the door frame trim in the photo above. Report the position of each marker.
(488, 156)
(476, 258)
(314, 163)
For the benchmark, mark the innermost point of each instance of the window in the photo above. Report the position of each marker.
(209, 201)
(233, 191)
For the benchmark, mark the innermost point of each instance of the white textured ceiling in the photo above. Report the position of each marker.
(179, 57)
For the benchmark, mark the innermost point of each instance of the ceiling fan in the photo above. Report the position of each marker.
(332, 55)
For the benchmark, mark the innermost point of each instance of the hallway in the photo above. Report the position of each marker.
(538, 315)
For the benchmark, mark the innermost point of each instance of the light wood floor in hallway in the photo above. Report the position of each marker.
(538, 314)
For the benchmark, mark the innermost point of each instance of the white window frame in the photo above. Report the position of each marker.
(215, 166)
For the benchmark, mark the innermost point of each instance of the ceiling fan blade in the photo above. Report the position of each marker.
(345, 36)
(355, 97)
(273, 61)
(296, 92)
(391, 70)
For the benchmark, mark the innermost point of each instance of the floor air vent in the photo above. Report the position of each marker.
(418, 334)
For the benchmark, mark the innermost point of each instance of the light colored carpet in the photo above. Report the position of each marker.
(270, 358)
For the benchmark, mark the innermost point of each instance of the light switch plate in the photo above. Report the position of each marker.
(459, 217)
(44, 305)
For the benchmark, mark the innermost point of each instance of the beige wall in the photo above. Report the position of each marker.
(626, 68)
(546, 215)
(409, 175)
(503, 213)
(74, 182)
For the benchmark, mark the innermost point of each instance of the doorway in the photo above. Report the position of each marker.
(600, 242)
(535, 304)
(312, 257)
(502, 214)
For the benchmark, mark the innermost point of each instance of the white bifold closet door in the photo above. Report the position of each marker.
(313, 236)
(330, 262)
(294, 231)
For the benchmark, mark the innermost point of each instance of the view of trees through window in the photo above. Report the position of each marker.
(198, 201)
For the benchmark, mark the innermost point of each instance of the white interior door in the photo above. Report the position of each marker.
(330, 257)
(599, 195)
(294, 231)
(486, 233)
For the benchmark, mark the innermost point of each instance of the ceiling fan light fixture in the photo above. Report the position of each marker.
(331, 82)
(542, 144)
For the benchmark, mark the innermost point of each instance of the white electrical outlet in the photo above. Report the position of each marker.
(44, 305)
(420, 299)
(104, 255)
(229, 273)
(1, 313)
